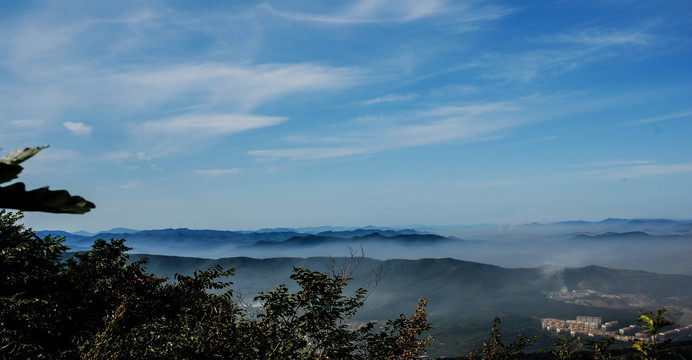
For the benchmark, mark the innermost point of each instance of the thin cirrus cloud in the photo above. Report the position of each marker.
(208, 124)
(604, 170)
(239, 86)
(78, 128)
(598, 37)
(389, 98)
(562, 53)
(438, 125)
(369, 11)
(313, 153)
(218, 172)
(614, 162)
(130, 185)
(682, 114)
(639, 171)
(187, 132)
(381, 11)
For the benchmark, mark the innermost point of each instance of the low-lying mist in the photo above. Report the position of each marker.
(661, 246)
(661, 256)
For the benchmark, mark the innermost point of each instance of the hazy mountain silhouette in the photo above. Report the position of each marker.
(663, 246)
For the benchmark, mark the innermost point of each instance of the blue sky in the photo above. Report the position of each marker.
(244, 115)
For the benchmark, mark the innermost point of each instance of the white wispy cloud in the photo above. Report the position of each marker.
(442, 124)
(37, 41)
(189, 133)
(389, 98)
(208, 124)
(131, 185)
(369, 11)
(614, 162)
(122, 156)
(677, 115)
(504, 182)
(443, 130)
(218, 172)
(563, 53)
(222, 88)
(136, 17)
(242, 86)
(468, 110)
(303, 139)
(54, 161)
(26, 123)
(639, 171)
(311, 153)
(78, 128)
(599, 37)
(381, 11)
(532, 64)
(603, 170)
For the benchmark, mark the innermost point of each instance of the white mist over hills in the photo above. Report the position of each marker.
(656, 245)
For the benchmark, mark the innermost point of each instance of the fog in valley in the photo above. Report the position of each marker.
(661, 246)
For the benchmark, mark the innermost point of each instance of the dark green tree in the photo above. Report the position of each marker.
(565, 348)
(494, 349)
(401, 338)
(178, 320)
(600, 347)
(314, 323)
(30, 279)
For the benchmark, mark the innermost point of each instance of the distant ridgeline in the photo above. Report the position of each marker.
(657, 245)
(181, 241)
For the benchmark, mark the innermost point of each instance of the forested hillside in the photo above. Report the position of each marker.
(463, 297)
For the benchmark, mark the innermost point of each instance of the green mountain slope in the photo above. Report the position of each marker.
(463, 297)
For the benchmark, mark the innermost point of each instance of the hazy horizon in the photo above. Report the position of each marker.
(656, 246)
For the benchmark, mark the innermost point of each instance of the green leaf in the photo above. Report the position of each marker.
(16, 196)
(20, 155)
(9, 172)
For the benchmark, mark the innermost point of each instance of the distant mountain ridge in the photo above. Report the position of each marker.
(657, 245)
(349, 232)
(391, 237)
(183, 238)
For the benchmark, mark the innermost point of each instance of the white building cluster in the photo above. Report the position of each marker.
(593, 326)
(679, 333)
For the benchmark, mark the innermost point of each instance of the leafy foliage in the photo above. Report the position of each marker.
(30, 270)
(494, 349)
(565, 348)
(652, 324)
(15, 196)
(600, 347)
(98, 305)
